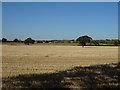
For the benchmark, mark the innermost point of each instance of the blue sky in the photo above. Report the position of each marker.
(0, 20)
(52, 20)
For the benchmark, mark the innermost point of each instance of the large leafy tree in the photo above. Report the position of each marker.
(15, 40)
(29, 40)
(4, 40)
(83, 40)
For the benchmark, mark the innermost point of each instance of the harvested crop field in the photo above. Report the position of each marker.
(48, 59)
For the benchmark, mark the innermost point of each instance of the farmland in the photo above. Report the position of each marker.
(37, 59)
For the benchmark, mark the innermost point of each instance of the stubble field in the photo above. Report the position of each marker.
(46, 59)
(23, 60)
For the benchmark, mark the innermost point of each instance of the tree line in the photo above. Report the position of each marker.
(82, 40)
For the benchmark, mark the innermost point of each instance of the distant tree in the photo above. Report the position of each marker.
(95, 42)
(102, 41)
(83, 40)
(28, 41)
(72, 41)
(46, 41)
(33, 41)
(39, 41)
(4, 40)
(15, 40)
(107, 39)
(116, 43)
(20, 41)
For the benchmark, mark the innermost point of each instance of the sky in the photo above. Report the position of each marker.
(59, 20)
(0, 20)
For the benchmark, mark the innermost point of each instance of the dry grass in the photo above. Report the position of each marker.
(56, 66)
(84, 78)
(38, 59)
